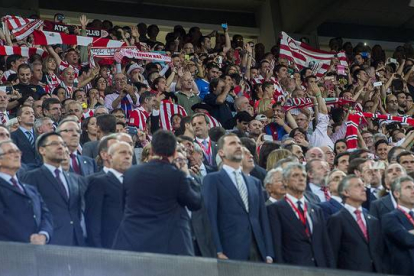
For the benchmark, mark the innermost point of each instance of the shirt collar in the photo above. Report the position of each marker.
(231, 170)
(24, 130)
(118, 175)
(105, 169)
(405, 208)
(200, 140)
(295, 200)
(7, 177)
(352, 209)
(337, 198)
(53, 168)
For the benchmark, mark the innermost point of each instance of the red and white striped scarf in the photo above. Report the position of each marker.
(52, 38)
(23, 51)
(354, 121)
(167, 110)
(307, 102)
(21, 27)
(138, 118)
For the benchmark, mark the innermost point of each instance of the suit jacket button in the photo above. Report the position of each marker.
(71, 222)
(313, 259)
(34, 216)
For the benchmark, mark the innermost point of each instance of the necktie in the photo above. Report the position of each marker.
(205, 144)
(30, 138)
(61, 185)
(75, 165)
(3, 118)
(307, 227)
(241, 187)
(361, 224)
(325, 191)
(14, 181)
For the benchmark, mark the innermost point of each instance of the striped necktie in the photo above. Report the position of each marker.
(241, 187)
(30, 138)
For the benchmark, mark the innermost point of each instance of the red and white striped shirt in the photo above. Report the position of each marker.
(138, 118)
(167, 110)
(213, 121)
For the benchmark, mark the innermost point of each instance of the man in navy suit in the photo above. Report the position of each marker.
(24, 216)
(70, 132)
(298, 227)
(24, 137)
(61, 194)
(398, 228)
(201, 126)
(103, 197)
(333, 205)
(362, 168)
(236, 207)
(387, 203)
(157, 196)
(355, 235)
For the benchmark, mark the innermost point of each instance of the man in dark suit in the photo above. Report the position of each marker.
(24, 137)
(104, 211)
(362, 168)
(155, 215)
(333, 205)
(398, 228)
(317, 191)
(61, 195)
(298, 227)
(24, 216)
(106, 124)
(200, 123)
(70, 132)
(236, 208)
(355, 235)
(387, 203)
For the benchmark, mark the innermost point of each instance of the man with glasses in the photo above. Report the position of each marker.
(123, 97)
(70, 132)
(61, 194)
(24, 137)
(24, 216)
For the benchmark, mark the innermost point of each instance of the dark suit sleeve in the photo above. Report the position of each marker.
(187, 196)
(46, 223)
(94, 198)
(209, 191)
(276, 230)
(264, 220)
(394, 230)
(87, 150)
(373, 209)
(335, 233)
(330, 259)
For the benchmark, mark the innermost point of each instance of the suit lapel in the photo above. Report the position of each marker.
(114, 180)
(407, 224)
(25, 140)
(387, 201)
(7, 185)
(313, 216)
(352, 221)
(229, 185)
(335, 204)
(53, 181)
(370, 227)
(289, 214)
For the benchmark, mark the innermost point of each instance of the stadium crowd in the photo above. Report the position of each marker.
(228, 151)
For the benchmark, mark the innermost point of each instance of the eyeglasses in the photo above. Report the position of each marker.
(71, 130)
(55, 144)
(181, 160)
(11, 152)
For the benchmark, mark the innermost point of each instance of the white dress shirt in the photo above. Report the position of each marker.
(352, 210)
(230, 171)
(337, 198)
(317, 191)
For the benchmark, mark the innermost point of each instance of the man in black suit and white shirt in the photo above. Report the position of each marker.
(355, 235)
(200, 123)
(298, 227)
(103, 197)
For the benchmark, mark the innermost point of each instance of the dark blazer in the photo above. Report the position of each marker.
(22, 214)
(311, 197)
(330, 207)
(290, 242)
(155, 218)
(201, 228)
(86, 164)
(258, 172)
(66, 213)
(90, 149)
(351, 250)
(381, 206)
(103, 211)
(370, 198)
(29, 154)
(400, 242)
(232, 226)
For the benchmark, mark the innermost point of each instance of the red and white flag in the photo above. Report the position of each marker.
(213, 121)
(52, 38)
(167, 110)
(138, 118)
(21, 27)
(136, 54)
(23, 51)
(304, 55)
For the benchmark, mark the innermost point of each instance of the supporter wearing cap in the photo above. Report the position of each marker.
(135, 72)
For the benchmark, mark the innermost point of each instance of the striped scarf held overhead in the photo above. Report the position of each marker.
(21, 27)
(307, 102)
(354, 121)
